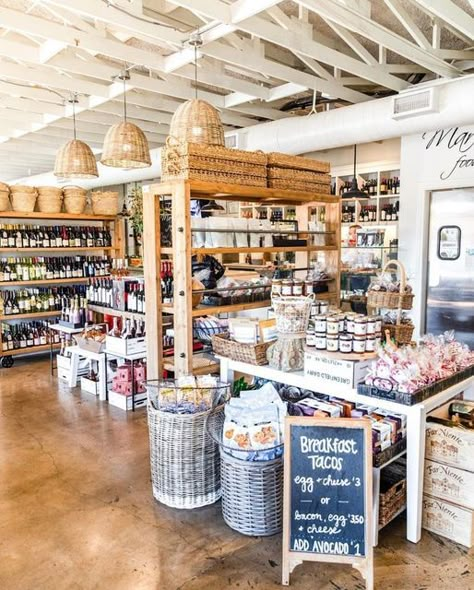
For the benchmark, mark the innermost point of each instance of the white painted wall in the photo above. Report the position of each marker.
(429, 162)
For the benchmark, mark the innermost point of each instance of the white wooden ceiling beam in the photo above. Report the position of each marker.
(343, 16)
(352, 42)
(406, 20)
(242, 9)
(447, 11)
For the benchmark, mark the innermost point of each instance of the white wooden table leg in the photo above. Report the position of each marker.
(376, 504)
(102, 378)
(73, 369)
(469, 391)
(227, 374)
(416, 418)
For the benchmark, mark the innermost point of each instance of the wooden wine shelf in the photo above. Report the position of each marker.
(30, 350)
(71, 216)
(116, 312)
(78, 249)
(254, 250)
(214, 309)
(49, 282)
(24, 316)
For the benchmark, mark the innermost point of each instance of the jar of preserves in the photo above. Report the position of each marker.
(332, 343)
(287, 287)
(320, 341)
(350, 323)
(345, 343)
(358, 344)
(310, 338)
(276, 287)
(320, 324)
(342, 323)
(308, 286)
(360, 326)
(378, 324)
(370, 343)
(332, 325)
(371, 325)
(323, 306)
(297, 290)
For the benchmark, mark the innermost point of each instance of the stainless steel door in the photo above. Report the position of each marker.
(450, 288)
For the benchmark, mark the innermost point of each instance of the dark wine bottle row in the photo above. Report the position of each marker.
(41, 268)
(40, 236)
(27, 335)
(13, 302)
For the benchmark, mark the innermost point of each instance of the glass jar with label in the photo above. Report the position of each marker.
(297, 287)
(358, 344)
(345, 343)
(360, 326)
(308, 286)
(332, 325)
(320, 340)
(314, 309)
(342, 323)
(371, 325)
(276, 287)
(323, 306)
(378, 338)
(332, 343)
(310, 338)
(350, 323)
(320, 323)
(287, 287)
(370, 343)
(378, 324)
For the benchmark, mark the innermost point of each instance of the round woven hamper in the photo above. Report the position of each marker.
(4, 197)
(75, 199)
(105, 203)
(23, 198)
(197, 121)
(252, 495)
(50, 199)
(184, 459)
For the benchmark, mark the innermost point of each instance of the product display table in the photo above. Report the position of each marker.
(61, 330)
(416, 420)
(76, 353)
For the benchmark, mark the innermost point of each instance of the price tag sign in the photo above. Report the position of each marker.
(328, 494)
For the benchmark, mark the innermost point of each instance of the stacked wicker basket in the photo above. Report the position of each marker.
(297, 173)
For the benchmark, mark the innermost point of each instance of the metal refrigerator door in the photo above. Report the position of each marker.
(450, 288)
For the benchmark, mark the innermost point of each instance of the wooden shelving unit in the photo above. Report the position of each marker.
(180, 194)
(114, 225)
(116, 312)
(30, 350)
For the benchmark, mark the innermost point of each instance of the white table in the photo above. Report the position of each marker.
(61, 330)
(416, 420)
(76, 353)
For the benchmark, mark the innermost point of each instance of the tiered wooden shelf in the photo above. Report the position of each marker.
(180, 193)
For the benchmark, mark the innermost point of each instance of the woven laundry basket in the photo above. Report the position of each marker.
(23, 198)
(105, 203)
(252, 491)
(50, 199)
(75, 199)
(185, 466)
(197, 121)
(4, 197)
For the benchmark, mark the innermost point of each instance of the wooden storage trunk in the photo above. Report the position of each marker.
(452, 446)
(449, 483)
(210, 163)
(448, 520)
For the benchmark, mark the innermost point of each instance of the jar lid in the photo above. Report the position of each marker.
(360, 320)
(345, 337)
(298, 281)
(320, 316)
(333, 318)
(287, 281)
(276, 280)
(309, 331)
(362, 338)
(333, 336)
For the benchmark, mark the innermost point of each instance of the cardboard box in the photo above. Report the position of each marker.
(448, 520)
(125, 346)
(89, 386)
(124, 402)
(333, 374)
(452, 446)
(449, 483)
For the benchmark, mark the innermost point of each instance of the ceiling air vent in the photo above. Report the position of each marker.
(411, 104)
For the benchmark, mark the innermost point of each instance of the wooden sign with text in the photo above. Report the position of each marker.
(328, 494)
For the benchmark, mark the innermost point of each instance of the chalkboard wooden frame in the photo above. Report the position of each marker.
(290, 558)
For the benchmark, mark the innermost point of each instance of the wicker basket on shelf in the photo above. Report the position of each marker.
(400, 333)
(279, 160)
(23, 198)
(197, 121)
(212, 163)
(393, 492)
(292, 313)
(254, 354)
(4, 197)
(105, 203)
(389, 300)
(50, 199)
(75, 199)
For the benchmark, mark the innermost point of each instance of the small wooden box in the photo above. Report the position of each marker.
(449, 483)
(448, 520)
(452, 446)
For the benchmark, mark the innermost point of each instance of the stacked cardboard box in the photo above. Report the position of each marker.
(122, 380)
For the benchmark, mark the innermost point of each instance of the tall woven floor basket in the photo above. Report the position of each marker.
(184, 459)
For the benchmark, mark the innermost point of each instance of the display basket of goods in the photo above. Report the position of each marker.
(385, 293)
(199, 122)
(23, 198)
(50, 199)
(297, 173)
(4, 197)
(254, 354)
(212, 163)
(410, 375)
(184, 459)
(292, 313)
(92, 339)
(249, 433)
(393, 492)
(75, 199)
(105, 203)
(397, 328)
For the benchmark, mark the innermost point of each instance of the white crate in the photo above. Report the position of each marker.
(63, 362)
(124, 402)
(449, 483)
(452, 446)
(64, 367)
(89, 386)
(332, 373)
(125, 346)
(63, 374)
(448, 520)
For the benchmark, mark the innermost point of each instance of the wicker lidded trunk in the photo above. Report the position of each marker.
(298, 173)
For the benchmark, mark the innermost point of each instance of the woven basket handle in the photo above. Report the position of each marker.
(402, 272)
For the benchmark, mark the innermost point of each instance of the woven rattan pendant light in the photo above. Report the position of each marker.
(125, 144)
(197, 121)
(75, 158)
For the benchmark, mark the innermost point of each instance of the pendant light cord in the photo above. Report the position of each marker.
(355, 156)
(124, 98)
(195, 72)
(73, 99)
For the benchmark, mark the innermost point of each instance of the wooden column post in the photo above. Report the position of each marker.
(152, 266)
(183, 321)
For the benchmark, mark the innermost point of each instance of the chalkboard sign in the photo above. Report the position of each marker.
(328, 492)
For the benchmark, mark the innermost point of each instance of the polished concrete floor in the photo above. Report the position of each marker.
(76, 512)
